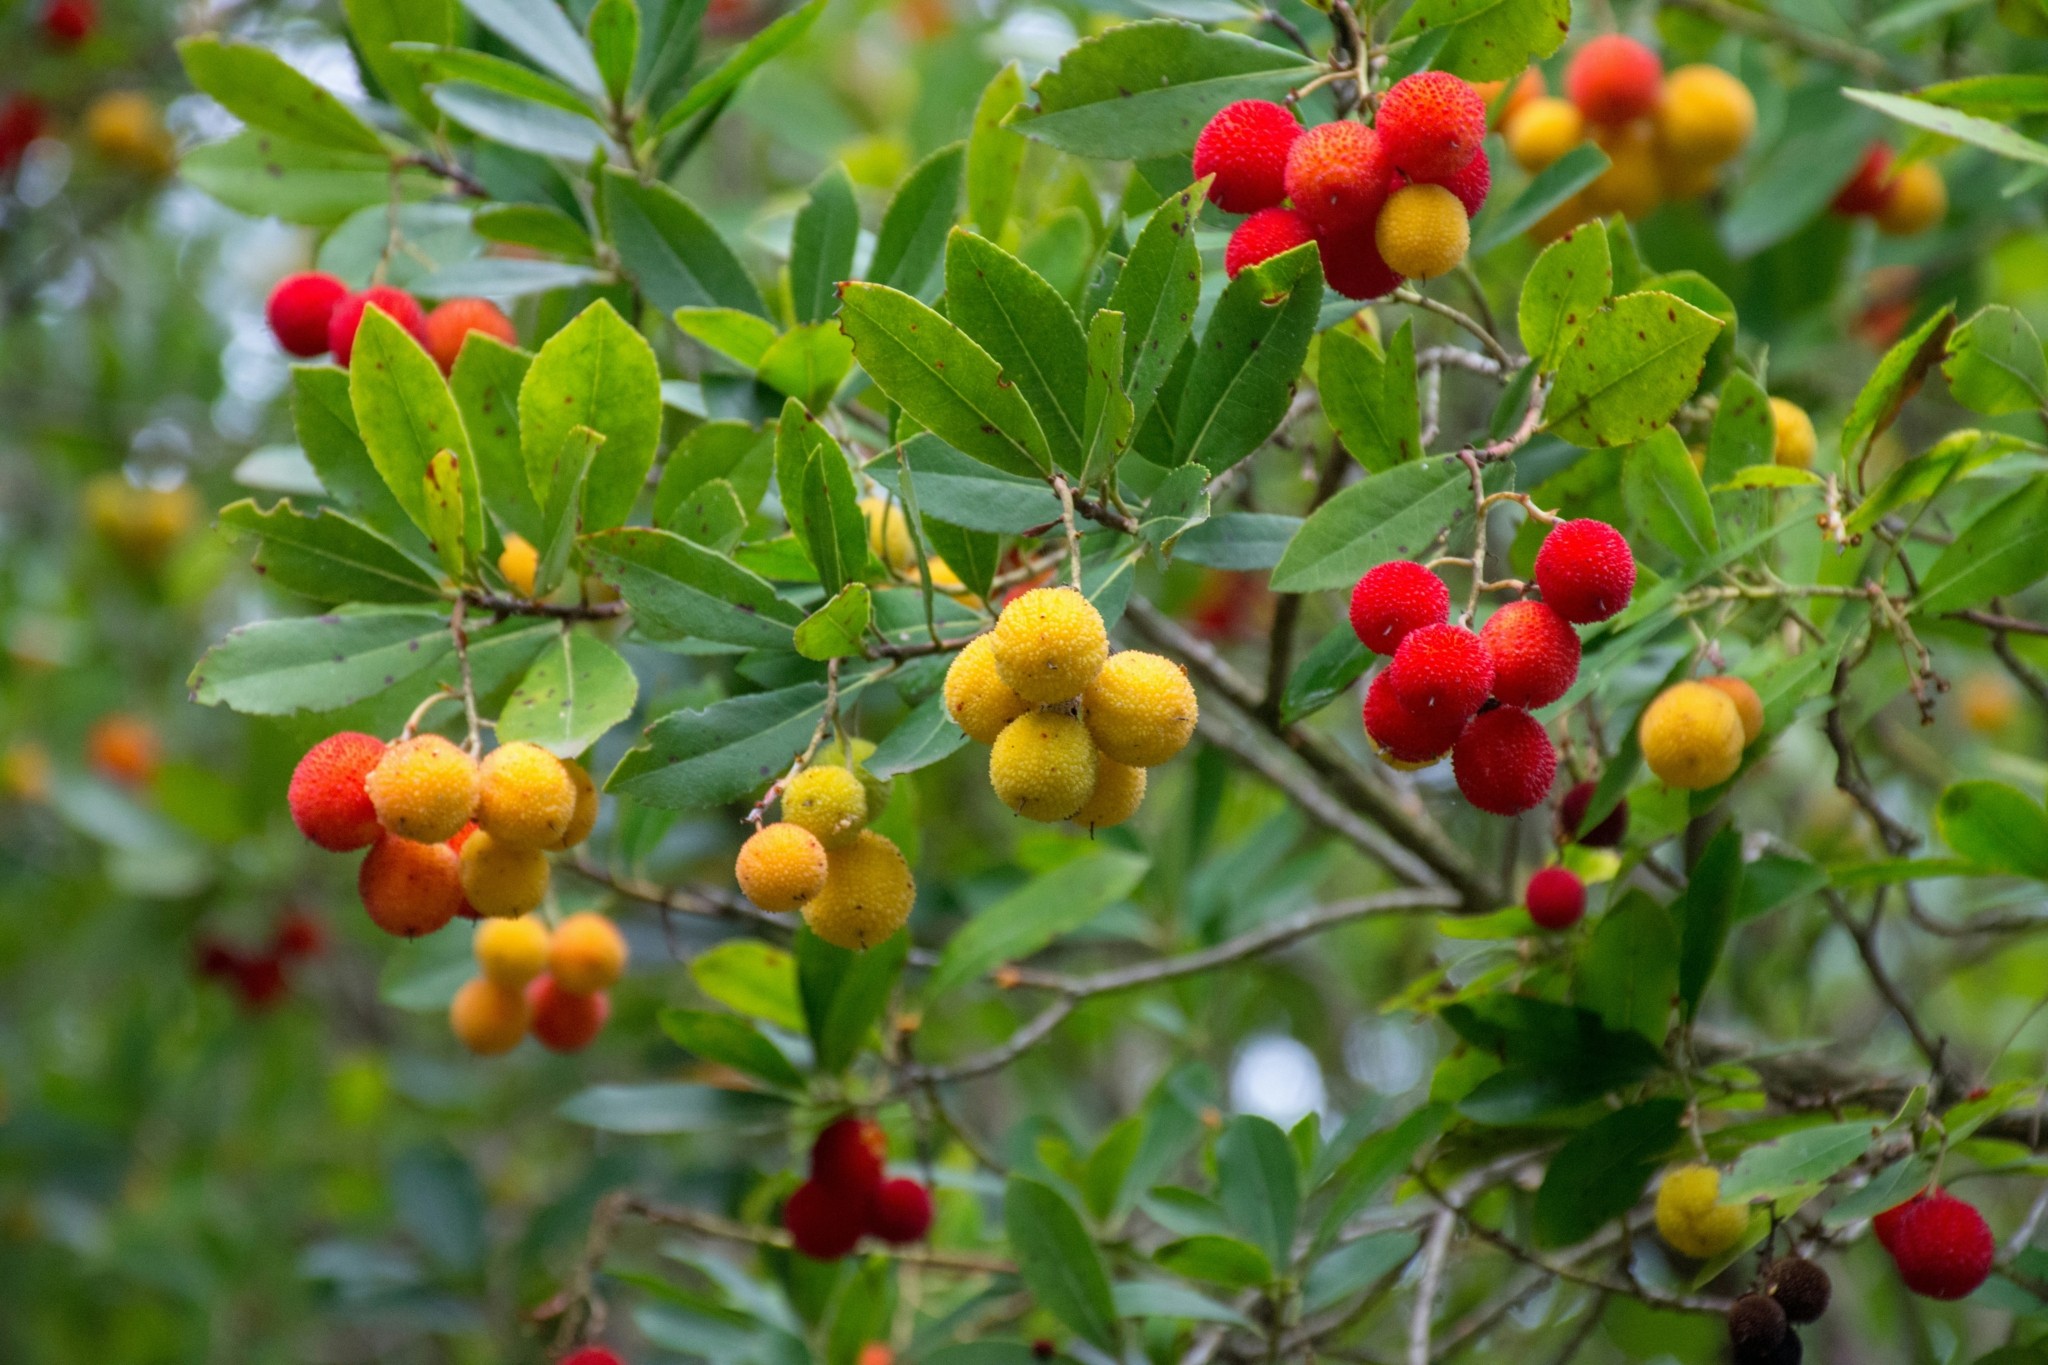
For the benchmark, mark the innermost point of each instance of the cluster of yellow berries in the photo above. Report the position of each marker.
(1072, 728)
(529, 979)
(1694, 733)
(1691, 1218)
(852, 883)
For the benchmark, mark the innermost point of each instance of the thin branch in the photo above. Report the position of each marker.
(1061, 487)
(1759, 24)
(1864, 935)
(502, 605)
(1434, 1255)
(1461, 319)
(455, 175)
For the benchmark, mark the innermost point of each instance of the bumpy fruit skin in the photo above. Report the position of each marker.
(1556, 898)
(1352, 264)
(525, 797)
(1800, 1286)
(1614, 79)
(825, 1224)
(299, 310)
(1337, 175)
(1916, 200)
(455, 846)
(1430, 125)
(1692, 736)
(511, 952)
(1423, 232)
(875, 1353)
(829, 801)
(1706, 117)
(584, 818)
(1885, 1226)
(124, 749)
(424, 789)
(587, 953)
(849, 1155)
(1264, 235)
(410, 888)
(902, 1212)
(1119, 791)
(1691, 1218)
(1504, 762)
(1140, 709)
(1535, 654)
(70, 22)
(1792, 438)
(1049, 644)
(1748, 705)
(868, 894)
(500, 880)
(326, 796)
(1633, 183)
(1043, 766)
(1542, 131)
(1571, 814)
(1469, 184)
(1441, 670)
(780, 867)
(519, 561)
(1942, 1247)
(1394, 598)
(1585, 571)
(977, 698)
(398, 305)
(1866, 190)
(1756, 1328)
(1405, 738)
(564, 1021)
(1245, 147)
(449, 325)
(489, 1017)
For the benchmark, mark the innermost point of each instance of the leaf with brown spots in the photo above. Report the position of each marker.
(1629, 370)
(1569, 281)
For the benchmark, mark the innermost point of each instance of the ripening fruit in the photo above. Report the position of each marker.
(1885, 1226)
(1691, 1217)
(564, 1021)
(1748, 705)
(977, 698)
(1585, 571)
(1049, 644)
(1914, 201)
(875, 1353)
(1352, 265)
(584, 818)
(902, 1212)
(1394, 598)
(889, 533)
(1043, 766)
(824, 1223)
(1441, 669)
(1756, 1329)
(519, 561)
(1942, 1247)
(1245, 147)
(70, 22)
(1403, 738)
(500, 880)
(23, 119)
(1866, 190)
(1119, 791)
(1140, 709)
(1337, 174)
(849, 1155)
(125, 749)
(1504, 762)
(868, 893)
(1264, 235)
(1989, 703)
(327, 798)
(1529, 86)
(1430, 125)
(1614, 79)
(396, 304)
(126, 128)
(1542, 131)
(410, 888)
(1800, 1286)
(1469, 184)
(511, 952)
(1706, 117)
(1633, 183)
(586, 954)
(489, 1017)
(591, 1355)
(298, 936)
(299, 310)
(1692, 736)
(1792, 438)
(449, 326)
(1571, 814)
(424, 789)
(829, 801)
(525, 796)
(1535, 654)
(1556, 898)
(780, 867)
(1422, 232)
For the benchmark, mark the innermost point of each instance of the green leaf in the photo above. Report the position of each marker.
(485, 384)
(2004, 550)
(1998, 827)
(676, 255)
(1238, 540)
(319, 663)
(710, 514)
(1897, 378)
(1217, 1259)
(1326, 673)
(1249, 359)
(326, 556)
(1151, 1299)
(403, 410)
(1050, 905)
(914, 226)
(1666, 500)
(770, 43)
(542, 32)
(614, 35)
(965, 492)
(1629, 972)
(1552, 186)
(1704, 911)
(545, 130)
(844, 993)
(1569, 281)
(264, 91)
(1888, 1188)
(1768, 476)
(1029, 330)
(1397, 514)
(661, 1109)
(1259, 1183)
(1488, 39)
(1369, 396)
(1181, 500)
(739, 336)
(1355, 1267)
(1157, 292)
(1995, 364)
(1810, 1156)
(1145, 89)
(732, 1042)
(564, 500)
(597, 372)
(266, 176)
(1602, 1172)
(574, 693)
(838, 629)
(543, 227)
(688, 760)
(1059, 1262)
(326, 424)
(377, 24)
(1703, 294)
(1779, 192)
(813, 475)
(1626, 374)
(1995, 138)
(1556, 1057)
(436, 66)
(808, 363)
(935, 372)
(1744, 434)
(678, 590)
(714, 450)
(752, 978)
(448, 530)
(822, 244)
(919, 740)
(1380, 1158)
(995, 154)
(1107, 413)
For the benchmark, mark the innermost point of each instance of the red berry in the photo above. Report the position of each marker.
(298, 935)
(1405, 736)
(1571, 816)
(1394, 598)
(1585, 570)
(1469, 183)
(824, 1223)
(1868, 189)
(301, 309)
(592, 1355)
(348, 316)
(1504, 762)
(216, 958)
(1535, 654)
(1352, 264)
(562, 1020)
(70, 22)
(1942, 1247)
(1556, 898)
(450, 325)
(902, 1212)
(1245, 147)
(1430, 125)
(22, 120)
(1615, 79)
(1264, 235)
(1441, 669)
(260, 982)
(1336, 175)
(1885, 1227)
(848, 1155)
(326, 796)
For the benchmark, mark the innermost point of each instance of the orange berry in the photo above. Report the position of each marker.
(124, 749)
(1337, 175)
(450, 325)
(1614, 79)
(410, 889)
(489, 1018)
(587, 954)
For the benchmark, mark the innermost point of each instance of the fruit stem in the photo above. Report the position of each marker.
(1060, 486)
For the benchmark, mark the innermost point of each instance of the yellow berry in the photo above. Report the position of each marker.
(867, 895)
(1631, 185)
(587, 954)
(827, 800)
(977, 698)
(1748, 705)
(1989, 705)
(1543, 130)
(1119, 791)
(1692, 736)
(780, 867)
(1792, 438)
(526, 797)
(501, 880)
(1140, 709)
(1916, 200)
(489, 1017)
(511, 952)
(424, 789)
(1043, 766)
(124, 126)
(1049, 644)
(519, 562)
(584, 818)
(26, 770)
(889, 534)
(1423, 232)
(1691, 1217)
(1706, 117)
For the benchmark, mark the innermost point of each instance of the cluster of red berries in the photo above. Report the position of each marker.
(1332, 184)
(261, 977)
(1940, 1244)
(847, 1196)
(1450, 690)
(1791, 1292)
(313, 315)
